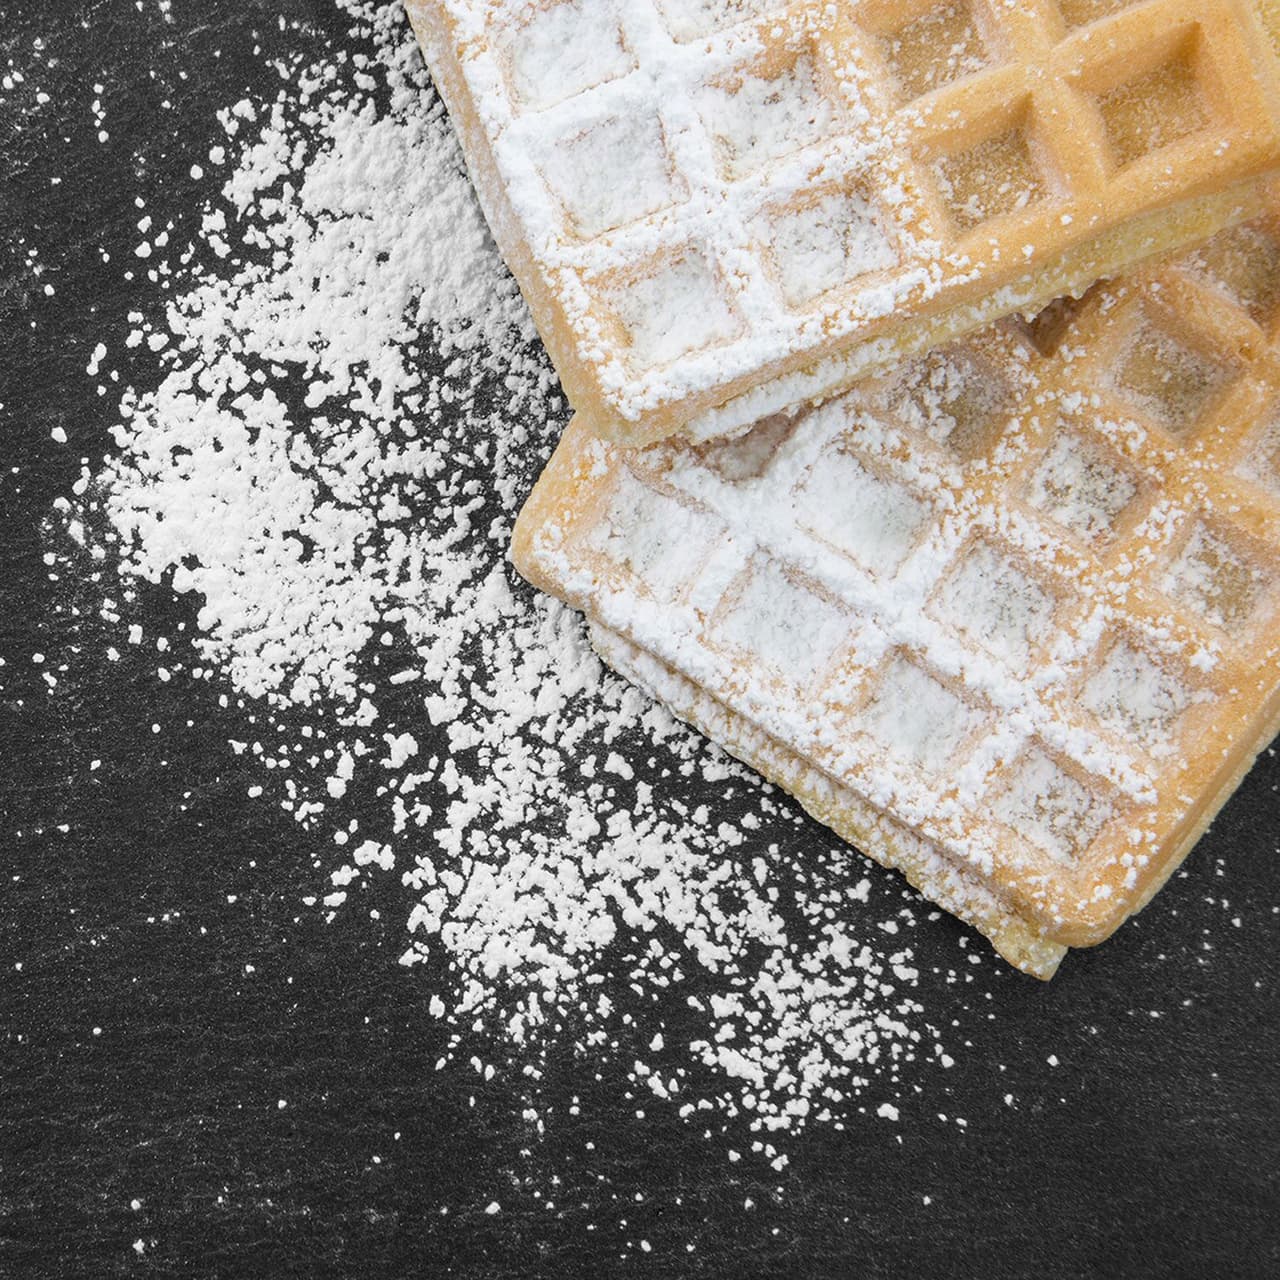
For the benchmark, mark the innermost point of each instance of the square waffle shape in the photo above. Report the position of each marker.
(1007, 617)
(721, 208)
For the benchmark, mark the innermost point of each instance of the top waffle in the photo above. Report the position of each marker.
(700, 196)
(1015, 606)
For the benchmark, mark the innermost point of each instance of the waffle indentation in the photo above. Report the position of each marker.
(1082, 486)
(827, 242)
(563, 50)
(1215, 575)
(1244, 263)
(956, 396)
(916, 720)
(1137, 697)
(790, 629)
(597, 194)
(1050, 807)
(940, 46)
(997, 606)
(652, 536)
(996, 176)
(1155, 109)
(1079, 13)
(677, 308)
(766, 111)
(1166, 376)
(875, 521)
(1261, 460)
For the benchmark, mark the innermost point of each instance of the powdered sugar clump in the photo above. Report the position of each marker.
(349, 406)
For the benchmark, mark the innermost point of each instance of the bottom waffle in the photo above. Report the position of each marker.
(1007, 619)
(843, 810)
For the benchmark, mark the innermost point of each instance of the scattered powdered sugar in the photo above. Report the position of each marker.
(348, 407)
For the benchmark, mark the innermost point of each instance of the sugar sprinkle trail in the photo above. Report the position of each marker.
(349, 404)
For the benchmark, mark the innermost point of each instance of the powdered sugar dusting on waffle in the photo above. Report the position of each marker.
(876, 521)
(691, 19)
(794, 631)
(835, 170)
(1222, 581)
(1049, 806)
(1048, 583)
(675, 310)
(917, 720)
(652, 536)
(997, 606)
(1082, 485)
(815, 247)
(561, 51)
(1140, 697)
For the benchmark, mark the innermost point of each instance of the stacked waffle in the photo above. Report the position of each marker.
(995, 597)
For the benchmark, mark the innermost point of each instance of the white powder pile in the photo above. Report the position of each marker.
(347, 409)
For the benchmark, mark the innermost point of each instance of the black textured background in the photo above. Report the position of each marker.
(134, 897)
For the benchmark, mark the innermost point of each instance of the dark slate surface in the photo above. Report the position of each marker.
(1151, 1150)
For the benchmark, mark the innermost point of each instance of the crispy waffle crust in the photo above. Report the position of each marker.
(720, 208)
(1007, 617)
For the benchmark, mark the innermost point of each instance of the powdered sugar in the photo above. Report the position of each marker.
(349, 405)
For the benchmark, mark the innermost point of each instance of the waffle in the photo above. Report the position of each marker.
(720, 208)
(1007, 617)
